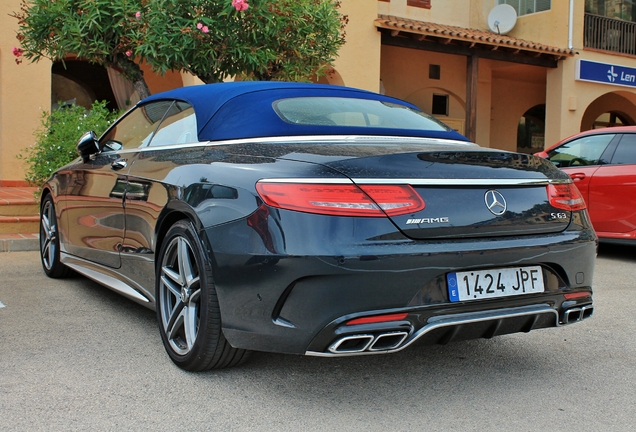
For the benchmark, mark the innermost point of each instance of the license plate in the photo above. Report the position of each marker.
(494, 283)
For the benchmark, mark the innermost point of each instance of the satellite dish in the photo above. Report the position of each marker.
(502, 19)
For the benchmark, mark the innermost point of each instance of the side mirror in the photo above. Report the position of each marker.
(87, 145)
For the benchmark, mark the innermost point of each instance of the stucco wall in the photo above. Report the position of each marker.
(548, 27)
(405, 74)
(451, 12)
(25, 92)
(511, 99)
(358, 62)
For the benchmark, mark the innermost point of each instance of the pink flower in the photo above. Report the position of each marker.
(128, 53)
(205, 29)
(240, 5)
(138, 15)
(199, 26)
(17, 51)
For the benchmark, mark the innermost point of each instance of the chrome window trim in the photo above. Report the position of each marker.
(345, 139)
(423, 182)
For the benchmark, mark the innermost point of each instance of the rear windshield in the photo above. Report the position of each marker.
(335, 111)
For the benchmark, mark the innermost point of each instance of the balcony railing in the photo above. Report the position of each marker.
(609, 34)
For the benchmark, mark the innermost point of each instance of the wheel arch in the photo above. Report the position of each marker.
(171, 214)
(46, 191)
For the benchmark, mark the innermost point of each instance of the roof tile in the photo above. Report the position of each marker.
(463, 34)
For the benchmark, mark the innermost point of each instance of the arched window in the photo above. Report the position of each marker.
(531, 130)
(77, 82)
(611, 119)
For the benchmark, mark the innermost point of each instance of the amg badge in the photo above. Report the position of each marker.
(427, 220)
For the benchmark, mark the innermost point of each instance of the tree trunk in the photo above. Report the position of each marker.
(133, 72)
(142, 88)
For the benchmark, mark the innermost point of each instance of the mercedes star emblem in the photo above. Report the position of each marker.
(495, 202)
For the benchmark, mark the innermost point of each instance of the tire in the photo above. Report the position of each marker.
(187, 305)
(50, 241)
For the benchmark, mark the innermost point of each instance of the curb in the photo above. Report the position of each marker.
(20, 243)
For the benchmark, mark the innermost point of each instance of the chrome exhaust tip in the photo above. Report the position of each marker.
(368, 342)
(388, 341)
(351, 344)
(577, 314)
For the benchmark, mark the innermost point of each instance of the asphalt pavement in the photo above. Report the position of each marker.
(75, 356)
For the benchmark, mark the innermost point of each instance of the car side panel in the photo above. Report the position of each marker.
(612, 199)
(92, 210)
(165, 185)
(582, 177)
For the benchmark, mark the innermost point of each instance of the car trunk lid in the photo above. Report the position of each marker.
(474, 193)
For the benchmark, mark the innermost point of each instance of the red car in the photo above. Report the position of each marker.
(602, 163)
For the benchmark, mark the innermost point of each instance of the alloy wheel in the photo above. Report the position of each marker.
(48, 235)
(180, 295)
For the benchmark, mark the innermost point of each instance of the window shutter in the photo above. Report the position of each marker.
(426, 4)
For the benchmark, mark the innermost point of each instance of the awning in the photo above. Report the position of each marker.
(463, 41)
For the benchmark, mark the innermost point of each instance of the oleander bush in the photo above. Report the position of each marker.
(57, 136)
(290, 40)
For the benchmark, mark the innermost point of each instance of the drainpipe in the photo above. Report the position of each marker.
(570, 25)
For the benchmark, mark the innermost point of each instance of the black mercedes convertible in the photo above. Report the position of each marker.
(316, 220)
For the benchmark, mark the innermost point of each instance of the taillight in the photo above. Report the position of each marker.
(565, 197)
(378, 319)
(581, 294)
(341, 199)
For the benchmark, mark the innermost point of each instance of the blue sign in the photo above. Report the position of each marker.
(453, 294)
(605, 73)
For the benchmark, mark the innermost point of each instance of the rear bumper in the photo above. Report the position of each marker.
(294, 292)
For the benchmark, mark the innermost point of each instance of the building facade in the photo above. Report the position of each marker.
(519, 83)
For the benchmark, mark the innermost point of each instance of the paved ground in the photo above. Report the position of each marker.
(75, 356)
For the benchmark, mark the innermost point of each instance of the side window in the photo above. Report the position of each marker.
(626, 151)
(581, 152)
(136, 129)
(178, 127)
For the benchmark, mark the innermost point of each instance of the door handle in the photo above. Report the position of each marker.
(577, 176)
(119, 164)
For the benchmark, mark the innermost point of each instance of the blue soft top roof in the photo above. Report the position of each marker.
(244, 110)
